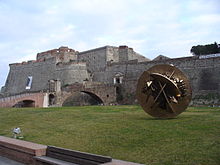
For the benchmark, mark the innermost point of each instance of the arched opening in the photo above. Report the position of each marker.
(51, 99)
(95, 100)
(83, 98)
(25, 103)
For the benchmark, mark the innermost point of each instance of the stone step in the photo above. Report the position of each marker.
(19, 150)
(51, 161)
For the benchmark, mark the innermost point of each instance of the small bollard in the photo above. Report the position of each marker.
(16, 131)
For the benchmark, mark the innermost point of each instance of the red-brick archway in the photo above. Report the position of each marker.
(23, 100)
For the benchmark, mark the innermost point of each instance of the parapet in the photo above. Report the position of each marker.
(93, 50)
(125, 47)
(57, 53)
(30, 62)
(62, 54)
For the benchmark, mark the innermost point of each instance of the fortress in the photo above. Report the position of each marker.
(103, 76)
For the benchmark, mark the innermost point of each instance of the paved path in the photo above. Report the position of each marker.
(6, 161)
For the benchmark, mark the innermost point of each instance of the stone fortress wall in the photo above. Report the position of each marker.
(97, 59)
(48, 66)
(204, 75)
(119, 66)
(64, 64)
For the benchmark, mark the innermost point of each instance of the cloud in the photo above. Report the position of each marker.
(151, 27)
(95, 7)
(207, 19)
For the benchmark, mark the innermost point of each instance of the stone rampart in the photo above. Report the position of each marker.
(203, 75)
(110, 65)
(41, 72)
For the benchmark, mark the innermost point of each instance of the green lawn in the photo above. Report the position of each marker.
(122, 132)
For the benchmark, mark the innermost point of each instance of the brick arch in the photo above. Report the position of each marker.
(90, 93)
(38, 98)
(95, 96)
(24, 103)
(105, 92)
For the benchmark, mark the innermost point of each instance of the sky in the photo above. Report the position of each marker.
(150, 27)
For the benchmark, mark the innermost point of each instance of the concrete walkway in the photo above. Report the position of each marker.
(6, 161)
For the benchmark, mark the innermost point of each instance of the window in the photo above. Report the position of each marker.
(118, 80)
(29, 82)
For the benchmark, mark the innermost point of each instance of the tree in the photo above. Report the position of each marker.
(205, 49)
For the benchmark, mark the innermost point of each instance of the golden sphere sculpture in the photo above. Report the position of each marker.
(163, 91)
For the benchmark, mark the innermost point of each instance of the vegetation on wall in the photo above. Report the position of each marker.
(208, 96)
(205, 49)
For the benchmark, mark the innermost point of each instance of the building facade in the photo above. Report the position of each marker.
(65, 75)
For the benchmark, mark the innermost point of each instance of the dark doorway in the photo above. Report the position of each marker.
(51, 99)
(119, 95)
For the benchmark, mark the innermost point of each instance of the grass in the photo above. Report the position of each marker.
(122, 132)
